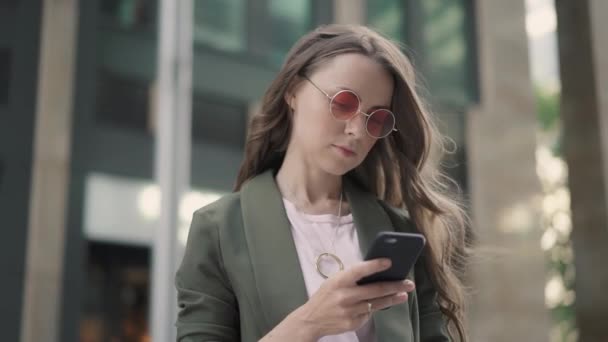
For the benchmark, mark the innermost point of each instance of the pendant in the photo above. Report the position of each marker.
(322, 256)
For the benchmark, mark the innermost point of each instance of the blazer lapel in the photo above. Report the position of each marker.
(276, 267)
(370, 218)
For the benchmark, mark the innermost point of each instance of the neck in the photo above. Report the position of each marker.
(306, 185)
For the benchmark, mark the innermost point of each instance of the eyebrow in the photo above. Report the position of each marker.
(370, 109)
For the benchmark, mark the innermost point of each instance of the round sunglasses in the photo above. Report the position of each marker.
(345, 104)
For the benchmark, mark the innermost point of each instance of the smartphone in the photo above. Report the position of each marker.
(402, 248)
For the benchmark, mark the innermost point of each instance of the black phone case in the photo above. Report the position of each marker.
(402, 248)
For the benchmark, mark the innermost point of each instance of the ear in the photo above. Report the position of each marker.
(290, 93)
(290, 100)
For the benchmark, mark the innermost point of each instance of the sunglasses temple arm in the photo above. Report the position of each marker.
(321, 90)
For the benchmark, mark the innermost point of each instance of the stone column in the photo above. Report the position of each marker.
(583, 51)
(507, 272)
(50, 175)
(349, 11)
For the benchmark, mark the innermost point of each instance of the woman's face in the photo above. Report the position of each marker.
(335, 146)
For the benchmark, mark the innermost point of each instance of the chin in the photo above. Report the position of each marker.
(338, 169)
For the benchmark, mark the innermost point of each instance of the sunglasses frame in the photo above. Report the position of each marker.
(358, 111)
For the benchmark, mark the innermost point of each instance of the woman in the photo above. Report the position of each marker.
(339, 152)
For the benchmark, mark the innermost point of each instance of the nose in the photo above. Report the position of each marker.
(355, 126)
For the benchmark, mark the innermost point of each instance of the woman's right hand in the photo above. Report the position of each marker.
(340, 305)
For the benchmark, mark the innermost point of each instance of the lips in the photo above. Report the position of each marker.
(347, 151)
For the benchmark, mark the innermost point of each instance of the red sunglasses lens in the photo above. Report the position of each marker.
(344, 105)
(380, 123)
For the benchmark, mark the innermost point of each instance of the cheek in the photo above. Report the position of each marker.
(316, 123)
(366, 147)
(368, 143)
(309, 132)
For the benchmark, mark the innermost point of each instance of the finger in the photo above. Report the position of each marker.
(365, 268)
(371, 306)
(389, 301)
(382, 289)
(409, 285)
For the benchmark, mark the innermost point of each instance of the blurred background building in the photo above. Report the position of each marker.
(79, 199)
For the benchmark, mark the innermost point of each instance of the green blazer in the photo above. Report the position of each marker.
(240, 275)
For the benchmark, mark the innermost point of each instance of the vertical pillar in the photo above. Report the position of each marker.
(173, 145)
(50, 176)
(507, 273)
(349, 11)
(583, 54)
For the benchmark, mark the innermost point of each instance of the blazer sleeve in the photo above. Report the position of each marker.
(207, 305)
(432, 322)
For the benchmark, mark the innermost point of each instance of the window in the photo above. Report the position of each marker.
(220, 121)
(128, 14)
(5, 74)
(439, 38)
(260, 29)
(446, 50)
(116, 301)
(221, 24)
(122, 101)
(289, 20)
(125, 210)
(387, 16)
(125, 47)
(8, 4)
(1, 174)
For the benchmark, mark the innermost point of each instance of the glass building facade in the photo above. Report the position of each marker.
(238, 46)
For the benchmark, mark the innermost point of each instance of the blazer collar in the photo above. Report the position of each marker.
(277, 273)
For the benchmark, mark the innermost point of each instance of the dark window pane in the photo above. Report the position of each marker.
(122, 101)
(128, 14)
(115, 307)
(437, 32)
(218, 121)
(1, 174)
(221, 24)
(10, 4)
(5, 74)
(445, 49)
(289, 20)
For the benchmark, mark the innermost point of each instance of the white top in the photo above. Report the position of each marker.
(316, 234)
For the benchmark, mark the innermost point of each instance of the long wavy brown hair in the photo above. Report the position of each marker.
(402, 169)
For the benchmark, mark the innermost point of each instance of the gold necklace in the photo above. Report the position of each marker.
(333, 256)
(324, 256)
(327, 255)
